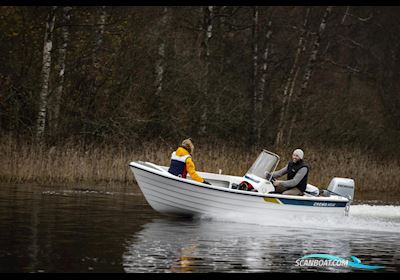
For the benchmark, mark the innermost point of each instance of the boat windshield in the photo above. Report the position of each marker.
(266, 162)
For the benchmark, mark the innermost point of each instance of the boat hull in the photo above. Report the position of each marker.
(172, 195)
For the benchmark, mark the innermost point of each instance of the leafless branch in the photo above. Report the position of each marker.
(347, 67)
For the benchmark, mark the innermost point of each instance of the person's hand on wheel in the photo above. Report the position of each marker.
(276, 183)
(268, 175)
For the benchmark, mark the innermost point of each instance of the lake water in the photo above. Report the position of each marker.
(112, 229)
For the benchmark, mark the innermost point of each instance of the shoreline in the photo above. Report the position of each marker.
(107, 164)
(371, 198)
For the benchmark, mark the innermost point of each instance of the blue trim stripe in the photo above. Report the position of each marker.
(312, 203)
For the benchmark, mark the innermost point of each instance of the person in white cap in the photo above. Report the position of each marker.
(297, 175)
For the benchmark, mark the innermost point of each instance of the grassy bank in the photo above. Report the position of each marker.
(106, 164)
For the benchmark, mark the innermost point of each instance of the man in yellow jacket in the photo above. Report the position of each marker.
(182, 163)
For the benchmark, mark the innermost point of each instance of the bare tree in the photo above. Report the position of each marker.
(262, 82)
(345, 14)
(160, 64)
(98, 44)
(45, 75)
(54, 113)
(290, 82)
(310, 64)
(254, 94)
(207, 29)
(315, 50)
(212, 62)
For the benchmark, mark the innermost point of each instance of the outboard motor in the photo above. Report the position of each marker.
(342, 186)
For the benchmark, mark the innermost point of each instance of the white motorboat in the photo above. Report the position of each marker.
(173, 195)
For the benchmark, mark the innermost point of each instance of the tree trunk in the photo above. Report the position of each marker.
(54, 114)
(345, 14)
(291, 91)
(95, 77)
(315, 50)
(160, 64)
(290, 82)
(45, 75)
(262, 82)
(310, 64)
(205, 59)
(97, 49)
(254, 98)
(99, 35)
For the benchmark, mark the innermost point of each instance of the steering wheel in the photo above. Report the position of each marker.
(269, 177)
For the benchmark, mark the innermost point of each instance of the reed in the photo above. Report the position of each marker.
(70, 164)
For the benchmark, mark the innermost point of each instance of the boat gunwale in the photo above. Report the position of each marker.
(136, 164)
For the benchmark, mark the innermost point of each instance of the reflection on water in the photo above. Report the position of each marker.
(204, 245)
(53, 229)
(58, 229)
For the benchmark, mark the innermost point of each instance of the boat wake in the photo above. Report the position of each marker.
(364, 217)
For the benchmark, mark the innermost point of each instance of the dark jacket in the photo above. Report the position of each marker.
(292, 170)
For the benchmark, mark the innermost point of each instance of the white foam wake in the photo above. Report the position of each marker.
(377, 211)
(366, 218)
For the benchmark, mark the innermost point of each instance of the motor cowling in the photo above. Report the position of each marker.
(342, 186)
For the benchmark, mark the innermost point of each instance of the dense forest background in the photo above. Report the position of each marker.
(258, 76)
